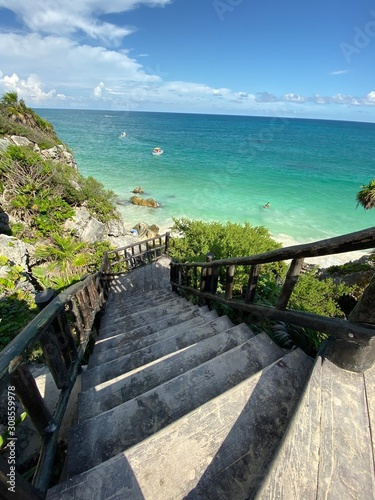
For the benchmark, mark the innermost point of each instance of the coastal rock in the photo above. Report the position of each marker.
(149, 202)
(115, 228)
(145, 231)
(14, 250)
(4, 143)
(137, 190)
(59, 154)
(85, 226)
(21, 141)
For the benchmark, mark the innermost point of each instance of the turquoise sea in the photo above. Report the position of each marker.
(226, 168)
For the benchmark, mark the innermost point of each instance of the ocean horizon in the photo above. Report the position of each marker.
(228, 167)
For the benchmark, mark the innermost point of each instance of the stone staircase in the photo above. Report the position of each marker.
(177, 402)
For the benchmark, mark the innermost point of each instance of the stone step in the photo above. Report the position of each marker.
(128, 305)
(106, 396)
(152, 352)
(200, 314)
(134, 340)
(130, 321)
(218, 451)
(99, 438)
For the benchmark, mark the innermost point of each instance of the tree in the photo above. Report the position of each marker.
(366, 196)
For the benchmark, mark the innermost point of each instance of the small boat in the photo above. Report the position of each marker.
(123, 134)
(157, 151)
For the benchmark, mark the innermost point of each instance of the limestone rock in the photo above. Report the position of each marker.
(15, 250)
(4, 143)
(115, 228)
(149, 202)
(86, 227)
(21, 141)
(138, 190)
(145, 231)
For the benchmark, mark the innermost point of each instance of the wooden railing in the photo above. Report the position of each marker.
(131, 256)
(201, 278)
(63, 329)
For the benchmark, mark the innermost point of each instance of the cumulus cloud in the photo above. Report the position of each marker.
(294, 98)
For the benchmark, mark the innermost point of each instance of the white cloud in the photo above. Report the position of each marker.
(370, 98)
(63, 17)
(294, 98)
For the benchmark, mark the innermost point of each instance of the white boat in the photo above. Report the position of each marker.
(157, 151)
(123, 134)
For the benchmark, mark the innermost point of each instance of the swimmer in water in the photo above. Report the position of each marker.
(266, 205)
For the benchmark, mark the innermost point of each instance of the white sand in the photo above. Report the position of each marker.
(326, 260)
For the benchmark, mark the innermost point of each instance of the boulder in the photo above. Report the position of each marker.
(85, 226)
(115, 228)
(14, 250)
(149, 202)
(21, 141)
(137, 190)
(4, 143)
(144, 231)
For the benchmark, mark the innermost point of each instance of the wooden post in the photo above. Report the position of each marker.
(54, 358)
(290, 282)
(356, 356)
(167, 238)
(252, 283)
(32, 401)
(229, 282)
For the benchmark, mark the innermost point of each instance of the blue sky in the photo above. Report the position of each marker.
(291, 58)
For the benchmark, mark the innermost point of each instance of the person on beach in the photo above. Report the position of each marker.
(266, 205)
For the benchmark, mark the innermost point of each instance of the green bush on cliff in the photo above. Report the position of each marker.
(224, 241)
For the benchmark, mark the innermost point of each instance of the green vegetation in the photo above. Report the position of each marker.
(17, 119)
(311, 294)
(39, 195)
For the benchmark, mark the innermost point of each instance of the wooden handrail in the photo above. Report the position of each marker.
(358, 334)
(63, 347)
(135, 254)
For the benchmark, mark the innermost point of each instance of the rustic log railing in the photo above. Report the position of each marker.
(63, 330)
(143, 252)
(358, 332)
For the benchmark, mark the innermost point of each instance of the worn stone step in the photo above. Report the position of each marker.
(112, 393)
(136, 340)
(130, 321)
(200, 314)
(124, 308)
(152, 352)
(218, 451)
(99, 438)
(128, 305)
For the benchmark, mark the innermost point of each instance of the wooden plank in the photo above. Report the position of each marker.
(294, 271)
(346, 468)
(293, 473)
(369, 377)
